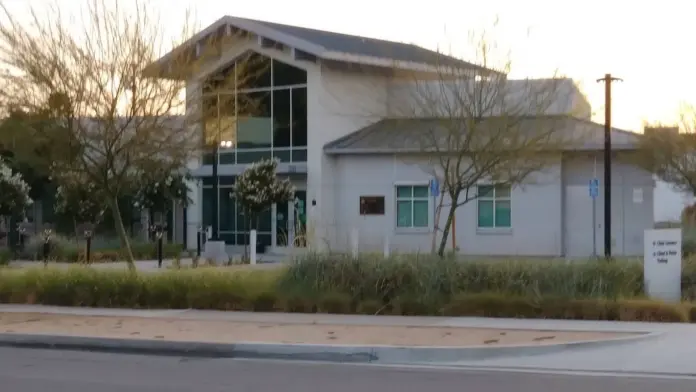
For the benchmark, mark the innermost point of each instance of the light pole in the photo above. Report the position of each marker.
(607, 79)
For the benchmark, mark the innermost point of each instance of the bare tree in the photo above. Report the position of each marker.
(99, 76)
(475, 125)
(670, 151)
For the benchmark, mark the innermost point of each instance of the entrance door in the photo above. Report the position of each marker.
(282, 225)
(300, 221)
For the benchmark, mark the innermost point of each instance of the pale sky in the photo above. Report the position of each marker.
(646, 43)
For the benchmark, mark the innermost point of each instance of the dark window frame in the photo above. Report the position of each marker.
(372, 205)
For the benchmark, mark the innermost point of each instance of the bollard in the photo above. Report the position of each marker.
(88, 250)
(386, 247)
(199, 235)
(159, 250)
(252, 247)
(46, 250)
(159, 228)
(87, 230)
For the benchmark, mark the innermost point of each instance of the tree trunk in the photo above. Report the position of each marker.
(436, 224)
(448, 224)
(123, 236)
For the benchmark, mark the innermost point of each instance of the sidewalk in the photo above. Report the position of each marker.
(340, 338)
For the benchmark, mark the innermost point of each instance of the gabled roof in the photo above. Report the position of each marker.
(334, 46)
(407, 135)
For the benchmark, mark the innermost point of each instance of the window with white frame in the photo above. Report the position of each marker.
(412, 206)
(494, 206)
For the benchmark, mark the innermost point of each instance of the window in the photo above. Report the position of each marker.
(287, 75)
(371, 205)
(264, 116)
(299, 117)
(412, 206)
(494, 206)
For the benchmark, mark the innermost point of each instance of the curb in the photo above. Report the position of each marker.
(305, 352)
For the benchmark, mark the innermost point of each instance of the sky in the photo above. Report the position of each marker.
(644, 43)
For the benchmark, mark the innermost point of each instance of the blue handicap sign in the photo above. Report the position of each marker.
(594, 188)
(434, 187)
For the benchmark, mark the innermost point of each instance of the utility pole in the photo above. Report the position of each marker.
(607, 79)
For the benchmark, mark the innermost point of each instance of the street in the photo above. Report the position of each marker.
(23, 370)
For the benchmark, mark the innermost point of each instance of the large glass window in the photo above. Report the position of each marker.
(281, 118)
(287, 75)
(227, 210)
(412, 206)
(299, 117)
(254, 120)
(494, 207)
(208, 200)
(265, 116)
(253, 71)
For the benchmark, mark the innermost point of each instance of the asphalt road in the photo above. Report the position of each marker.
(24, 370)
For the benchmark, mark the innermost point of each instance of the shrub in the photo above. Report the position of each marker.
(334, 303)
(61, 247)
(431, 277)
(369, 307)
(260, 291)
(415, 305)
(497, 305)
(5, 256)
(646, 310)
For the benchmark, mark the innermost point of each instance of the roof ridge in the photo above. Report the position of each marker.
(328, 31)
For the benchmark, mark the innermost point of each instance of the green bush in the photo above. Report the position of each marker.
(260, 291)
(200, 289)
(440, 279)
(5, 256)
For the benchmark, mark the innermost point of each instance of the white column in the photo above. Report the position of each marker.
(274, 226)
(252, 247)
(291, 224)
(194, 212)
(354, 242)
(144, 224)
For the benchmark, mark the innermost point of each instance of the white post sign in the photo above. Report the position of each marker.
(662, 263)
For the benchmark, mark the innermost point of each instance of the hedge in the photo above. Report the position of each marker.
(261, 290)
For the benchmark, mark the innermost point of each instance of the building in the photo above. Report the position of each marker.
(329, 114)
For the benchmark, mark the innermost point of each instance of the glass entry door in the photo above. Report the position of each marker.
(291, 221)
(282, 225)
(299, 207)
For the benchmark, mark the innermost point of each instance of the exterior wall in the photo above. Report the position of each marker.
(670, 202)
(551, 213)
(340, 102)
(632, 206)
(536, 211)
(432, 98)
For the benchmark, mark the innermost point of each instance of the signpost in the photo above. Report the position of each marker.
(662, 263)
(594, 192)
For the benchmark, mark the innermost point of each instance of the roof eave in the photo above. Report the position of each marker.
(377, 151)
(259, 29)
(392, 63)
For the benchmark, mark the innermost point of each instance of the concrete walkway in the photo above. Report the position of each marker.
(337, 319)
(671, 353)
